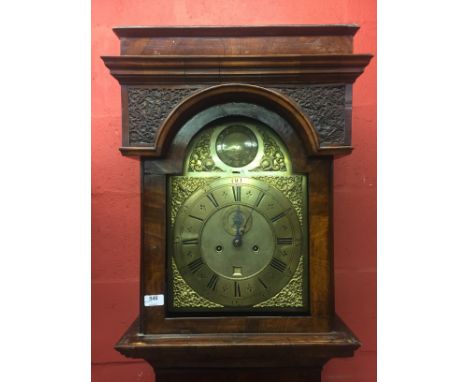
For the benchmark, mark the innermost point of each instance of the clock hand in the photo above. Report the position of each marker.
(246, 222)
(238, 220)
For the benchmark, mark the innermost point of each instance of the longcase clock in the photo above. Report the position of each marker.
(237, 129)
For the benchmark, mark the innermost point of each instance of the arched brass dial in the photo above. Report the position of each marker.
(237, 242)
(237, 145)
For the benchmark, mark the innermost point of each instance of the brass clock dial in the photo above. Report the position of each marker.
(237, 241)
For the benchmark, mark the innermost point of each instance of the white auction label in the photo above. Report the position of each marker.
(154, 300)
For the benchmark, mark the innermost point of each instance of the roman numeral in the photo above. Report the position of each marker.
(197, 218)
(213, 281)
(190, 241)
(212, 199)
(195, 265)
(284, 240)
(261, 282)
(278, 264)
(279, 216)
(237, 292)
(236, 191)
(259, 199)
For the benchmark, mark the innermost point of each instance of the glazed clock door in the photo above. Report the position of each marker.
(236, 239)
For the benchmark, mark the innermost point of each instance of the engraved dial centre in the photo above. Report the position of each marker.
(245, 252)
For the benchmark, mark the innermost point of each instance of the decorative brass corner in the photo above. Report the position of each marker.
(291, 296)
(273, 156)
(200, 157)
(181, 188)
(186, 297)
(293, 187)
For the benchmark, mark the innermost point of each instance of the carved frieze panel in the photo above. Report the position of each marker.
(147, 109)
(324, 105)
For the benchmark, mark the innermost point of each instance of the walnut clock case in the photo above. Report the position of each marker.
(237, 129)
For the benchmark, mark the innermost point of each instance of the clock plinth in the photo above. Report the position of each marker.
(237, 129)
(292, 357)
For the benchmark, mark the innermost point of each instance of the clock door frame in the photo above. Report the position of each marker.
(299, 136)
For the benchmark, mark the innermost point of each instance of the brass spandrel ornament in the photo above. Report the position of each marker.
(291, 296)
(293, 187)
(186, 297)
(181, 188)
(273, 158)
(200, 158)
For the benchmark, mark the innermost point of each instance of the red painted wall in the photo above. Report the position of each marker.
(115, 179)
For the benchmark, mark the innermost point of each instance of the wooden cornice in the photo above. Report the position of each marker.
(237, 31)
(184, 59)
(312, 69)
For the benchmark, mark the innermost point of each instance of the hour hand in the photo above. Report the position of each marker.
(238, 220)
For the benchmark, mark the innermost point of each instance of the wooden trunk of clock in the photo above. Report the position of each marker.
(306, 374)
(237, 129)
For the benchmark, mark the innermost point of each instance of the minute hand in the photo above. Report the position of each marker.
(242, 231)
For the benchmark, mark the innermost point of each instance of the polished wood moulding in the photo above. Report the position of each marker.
(152, 152)
(235, 351)
(237, 30)
(310, 69)
(237, 40)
